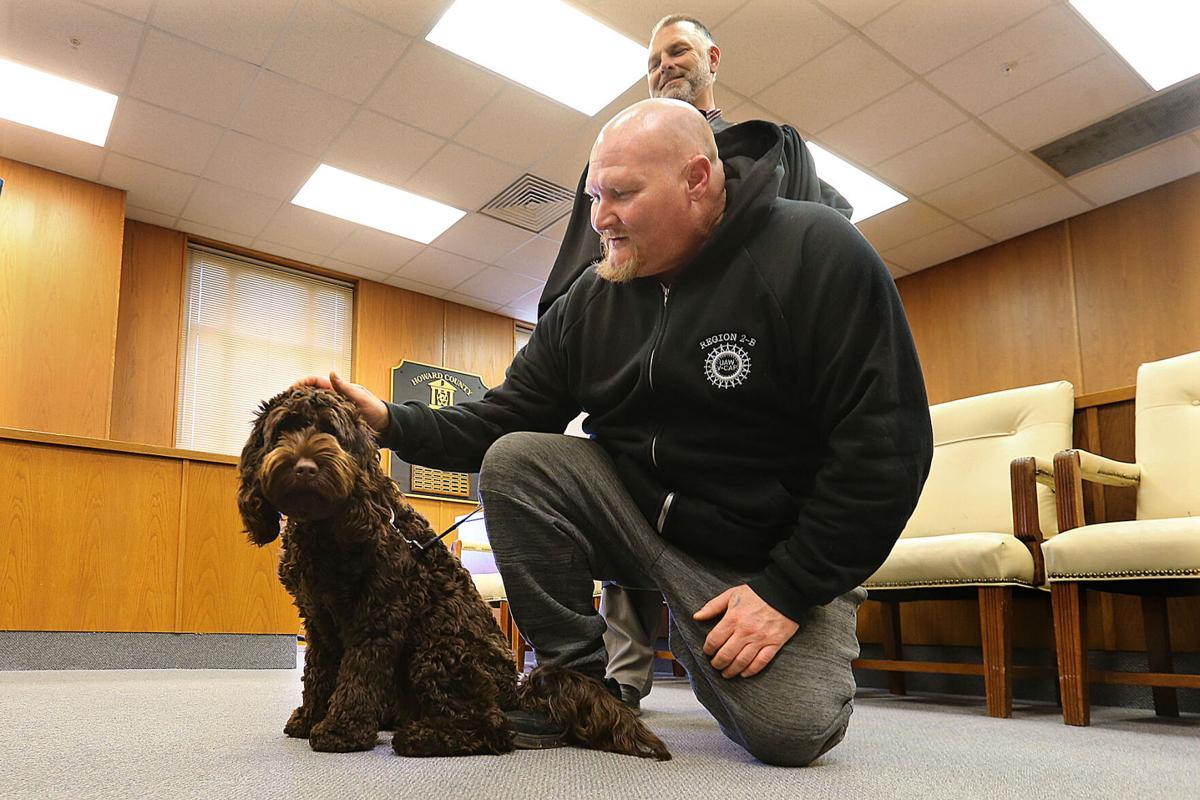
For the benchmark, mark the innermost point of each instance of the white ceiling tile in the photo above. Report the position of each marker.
(927, 33)
(258, 166)
(435, 90)
(356, 270)
(989, 188)
(1024, 56)
(306, 230)
(48, 150)
(335, 50)
(377, 250)
(497, 286)
(288, 113)
(635, 18)
(148, 216)
(148, 186)
(534, 258)
(748, 65)
(413, 17)
(1029, 213)
(1145, 169)
(434, 267)
(216, 234)
(936, 247)
(482, 238)
(558, 230)
(162, 137)
(229, 208)
(283, 251)
(845, 78)
(413, 286)
(748, 110)
(858, 12)
(137, 9)
(945, 158)
(901, 224)
(565, 164)
(519, 127)
(472, 302)
(524, 308)
(1071, 101)
(462, 178)
(895, 270)
(899, 121)
(185, 77)
(235, 27)
(381, 149)
(39, 32)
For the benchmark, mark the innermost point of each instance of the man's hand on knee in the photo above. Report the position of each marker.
(748, 635)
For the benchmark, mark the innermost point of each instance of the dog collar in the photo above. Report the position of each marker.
(422, 546)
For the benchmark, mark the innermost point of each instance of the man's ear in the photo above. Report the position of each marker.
(714, 59)
(698, 172)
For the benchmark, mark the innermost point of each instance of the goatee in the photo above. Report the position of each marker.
(619, 273)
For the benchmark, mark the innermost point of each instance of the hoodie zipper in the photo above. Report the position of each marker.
(666, 290)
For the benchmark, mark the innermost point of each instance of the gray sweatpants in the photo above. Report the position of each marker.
(558, 517)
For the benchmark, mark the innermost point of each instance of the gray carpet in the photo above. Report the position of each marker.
(217, 734)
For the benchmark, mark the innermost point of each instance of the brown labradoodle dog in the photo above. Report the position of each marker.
(398, 638)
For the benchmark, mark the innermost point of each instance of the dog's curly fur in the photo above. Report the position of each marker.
(397, 638)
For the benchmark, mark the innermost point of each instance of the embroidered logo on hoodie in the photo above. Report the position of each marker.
(727, 360)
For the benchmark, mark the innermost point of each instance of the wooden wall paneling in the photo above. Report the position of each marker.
(995, 319)
(1137, 279)
(88, 539)
(227, 584)
(60, 272)
(480, 342)
(148, 330)
(391, 325)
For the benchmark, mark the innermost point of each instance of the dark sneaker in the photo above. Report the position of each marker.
(533, 730)
(632, 698)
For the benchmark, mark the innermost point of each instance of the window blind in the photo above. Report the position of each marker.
(250, 331)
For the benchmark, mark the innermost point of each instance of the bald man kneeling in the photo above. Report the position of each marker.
(759, 433)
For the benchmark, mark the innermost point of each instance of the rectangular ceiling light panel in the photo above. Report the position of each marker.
(357, 199)
(1158, 38)
(867, 194)
(50, 103)
(546, 46)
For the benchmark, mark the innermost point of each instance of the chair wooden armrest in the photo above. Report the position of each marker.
(1027, 527)
(1044, 472)
(1072, 467)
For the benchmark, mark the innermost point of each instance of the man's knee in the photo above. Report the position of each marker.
(509, 458)
(795, 743)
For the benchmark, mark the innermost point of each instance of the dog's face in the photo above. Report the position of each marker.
(307, 451)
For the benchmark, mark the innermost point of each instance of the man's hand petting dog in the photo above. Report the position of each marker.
(373, 410)
(748, 635)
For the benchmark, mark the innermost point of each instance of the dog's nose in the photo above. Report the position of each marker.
(305, 468)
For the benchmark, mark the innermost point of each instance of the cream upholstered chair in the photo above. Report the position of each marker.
(975, 532)
(1156, 555)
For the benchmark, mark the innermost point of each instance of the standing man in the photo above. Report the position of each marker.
(682, 65)
(753, 459)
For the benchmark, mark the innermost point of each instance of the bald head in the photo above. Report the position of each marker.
(669, 128)
(657, 188)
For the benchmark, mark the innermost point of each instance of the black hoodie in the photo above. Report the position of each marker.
(767, 411)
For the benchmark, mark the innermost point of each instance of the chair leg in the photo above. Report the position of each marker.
(1158, 651)
(505, 620)
(889, 619)
(995, 616)
(1069, 604)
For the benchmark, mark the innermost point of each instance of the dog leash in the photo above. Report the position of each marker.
(422, 546)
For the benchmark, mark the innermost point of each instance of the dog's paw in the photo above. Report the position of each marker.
(329, 737)
(299, 724)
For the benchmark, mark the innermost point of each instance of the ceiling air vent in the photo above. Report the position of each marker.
(531, 203)
(1167, 114)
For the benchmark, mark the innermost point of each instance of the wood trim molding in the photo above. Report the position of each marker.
(62, 440)
(1118, 395)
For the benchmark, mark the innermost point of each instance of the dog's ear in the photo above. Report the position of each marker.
(258, 515)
